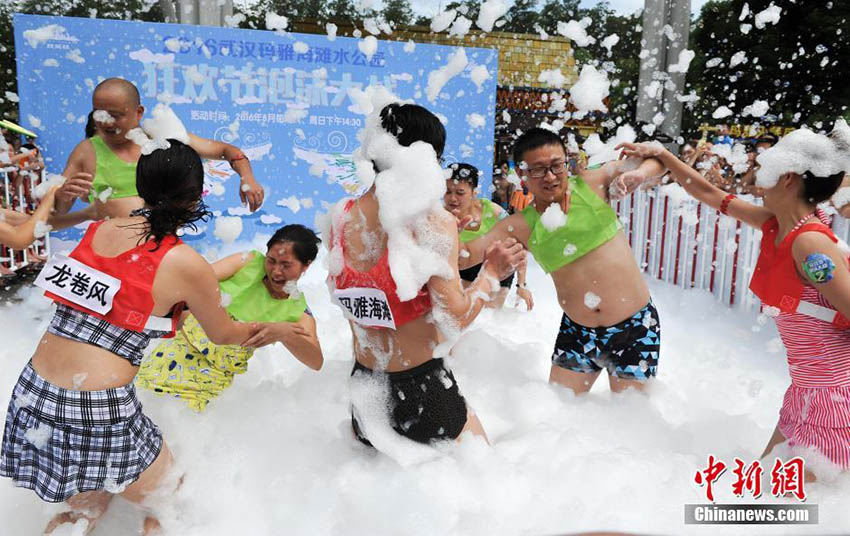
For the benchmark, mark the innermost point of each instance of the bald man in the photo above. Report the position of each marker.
(104, 166)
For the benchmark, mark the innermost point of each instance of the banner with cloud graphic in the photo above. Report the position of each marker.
(283, 98)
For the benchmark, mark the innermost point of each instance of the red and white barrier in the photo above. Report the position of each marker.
(692, 245)
(16, 259)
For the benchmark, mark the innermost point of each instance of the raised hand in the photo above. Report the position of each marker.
(503, 257)
(251, 193)
(77, 185)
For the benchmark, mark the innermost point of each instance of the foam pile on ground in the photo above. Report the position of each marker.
(274, 454)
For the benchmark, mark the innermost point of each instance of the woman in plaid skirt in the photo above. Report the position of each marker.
(75, 430)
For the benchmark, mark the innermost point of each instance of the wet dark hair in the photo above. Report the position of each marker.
(819, 189)
(305, 243)
(171, 182)
(464, 172)
(91, 129)
(410, 123)
(534, 139)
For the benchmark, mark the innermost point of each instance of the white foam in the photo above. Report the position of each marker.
(576, 30)
(165, 124)
(440, 77)
(592, 87)
(803, 150)
(490, 12)
(553, 217)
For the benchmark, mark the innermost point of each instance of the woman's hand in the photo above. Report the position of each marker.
(642, 150)
(524, 294)
(272, 332)
(503, 257)
(250, 192)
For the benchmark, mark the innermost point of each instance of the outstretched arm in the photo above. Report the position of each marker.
(621, 177)
(463, 304)
(512, 227)
(300, 339)
(79, 175)
(227, 267)
(698, 186)
(249, 190)
(23, 235)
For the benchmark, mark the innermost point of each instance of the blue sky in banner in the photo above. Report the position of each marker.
(283, 99)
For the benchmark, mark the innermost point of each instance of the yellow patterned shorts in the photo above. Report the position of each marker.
(190, 367)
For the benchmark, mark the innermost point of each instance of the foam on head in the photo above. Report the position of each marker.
(804, 150)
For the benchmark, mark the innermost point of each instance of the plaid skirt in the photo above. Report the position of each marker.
(58, 442)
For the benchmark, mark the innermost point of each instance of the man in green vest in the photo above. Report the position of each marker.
(609, 319)
(102, 169)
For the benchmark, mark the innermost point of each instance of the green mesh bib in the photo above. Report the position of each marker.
(488, 220)
(111, 172)
(590, 223)
(251, 301)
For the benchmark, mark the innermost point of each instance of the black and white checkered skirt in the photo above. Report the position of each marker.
(60, 442)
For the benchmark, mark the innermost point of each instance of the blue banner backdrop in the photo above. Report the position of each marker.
(282, 98)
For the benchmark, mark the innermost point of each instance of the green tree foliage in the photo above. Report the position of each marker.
(398, 12)
(797, 65)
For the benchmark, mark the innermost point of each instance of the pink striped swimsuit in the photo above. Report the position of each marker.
(816, 408)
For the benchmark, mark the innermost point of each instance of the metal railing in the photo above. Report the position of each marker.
(24, 202)
(691, 245)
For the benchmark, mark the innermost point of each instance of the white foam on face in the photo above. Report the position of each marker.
(770, 15)
(440, 77)
(368, 46)
(443, 20)
(490, 12)
(291, 289)
(592, 87)
(102, 116)
(803, 150)
(227, 228)
(576, 31)
(553, 217)
(164, 124)
(275, 21)
(685, 57)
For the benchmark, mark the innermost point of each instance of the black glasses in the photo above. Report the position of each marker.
(539, 172)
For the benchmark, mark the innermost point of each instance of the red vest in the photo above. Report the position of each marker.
(379, 277)
(775, 280)
(136, 268)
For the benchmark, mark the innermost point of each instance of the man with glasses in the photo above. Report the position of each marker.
(609, 319)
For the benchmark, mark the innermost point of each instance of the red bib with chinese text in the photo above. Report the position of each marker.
(135, 269)
(373, 313)
(775, 280)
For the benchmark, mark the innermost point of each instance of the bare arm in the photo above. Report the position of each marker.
(188, 277)
(227, 267)
(513, 226)
(299, 338)
(808, 248)
(700, 188)
(249, 190)
(79, 174)
(463, 305)
(24, 234)
(62, 221)
(600, 179)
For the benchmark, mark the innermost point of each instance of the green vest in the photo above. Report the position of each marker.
(250, 299)
(488, 220)
(590, 223)
(111, 172)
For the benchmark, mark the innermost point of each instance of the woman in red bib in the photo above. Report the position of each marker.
(75, 430)
(801, 277)
(403, 389)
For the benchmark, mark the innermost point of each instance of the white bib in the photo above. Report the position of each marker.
(78, 283)
(366, 306)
